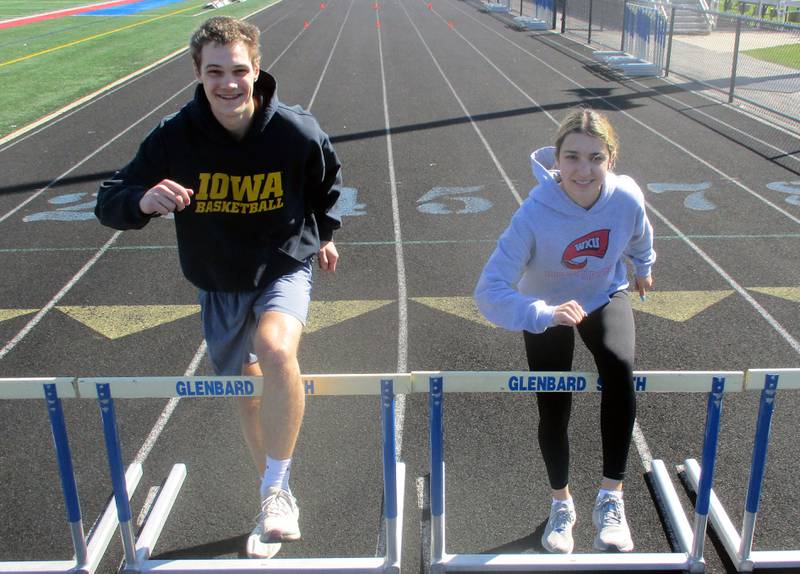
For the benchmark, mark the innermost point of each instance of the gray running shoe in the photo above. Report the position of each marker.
(557, 537)
(608, 517)
(279, 516)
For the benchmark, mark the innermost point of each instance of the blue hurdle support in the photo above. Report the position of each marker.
(690, 539)
(88, 550)
(138, 550)
(739, 547)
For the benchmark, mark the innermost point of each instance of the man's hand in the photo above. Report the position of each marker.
(328, 256)
(164, 198)
(570, 314)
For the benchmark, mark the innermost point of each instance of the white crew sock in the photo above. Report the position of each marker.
(277, 474)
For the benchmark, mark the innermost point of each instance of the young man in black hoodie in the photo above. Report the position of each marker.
(251, 184)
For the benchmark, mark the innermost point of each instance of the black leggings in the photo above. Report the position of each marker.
(608, 333)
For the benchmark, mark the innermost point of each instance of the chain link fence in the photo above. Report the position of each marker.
(750, 62)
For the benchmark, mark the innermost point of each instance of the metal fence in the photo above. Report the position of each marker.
(737, 59)
(732, 57)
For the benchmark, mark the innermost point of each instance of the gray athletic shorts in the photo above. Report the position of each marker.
(230, 319)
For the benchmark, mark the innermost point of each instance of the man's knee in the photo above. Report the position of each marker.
(275, 353)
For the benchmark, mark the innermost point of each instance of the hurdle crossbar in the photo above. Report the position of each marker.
(690, 539)
(138, 551)
(739, 546)
(88, 550)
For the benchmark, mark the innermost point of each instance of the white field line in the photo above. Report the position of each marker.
(53, 118)
(402, 291)
(330, 56)
(478, 131)
(90, 156)
(166, 413)
(58, 296)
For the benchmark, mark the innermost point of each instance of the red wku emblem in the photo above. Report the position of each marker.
(592, 244)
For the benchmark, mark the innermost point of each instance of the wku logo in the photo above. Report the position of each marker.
(592, 244)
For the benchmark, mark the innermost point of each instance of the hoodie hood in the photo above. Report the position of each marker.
(549, 191)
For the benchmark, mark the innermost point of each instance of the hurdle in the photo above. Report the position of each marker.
(690, 539)
(495, 7)
(138, 551)
(89, 550)
(644, 34)
(739, 547)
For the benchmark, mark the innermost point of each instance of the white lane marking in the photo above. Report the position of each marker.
(90, 156)
(464, 109)
(652, 130)
(330, 56)
(58, 296)
(169, 408)
(402, 295)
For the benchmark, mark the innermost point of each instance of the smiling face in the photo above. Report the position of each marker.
(584, 161)
(228, 73)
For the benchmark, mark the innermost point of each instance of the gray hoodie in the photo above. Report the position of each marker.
(555, 250)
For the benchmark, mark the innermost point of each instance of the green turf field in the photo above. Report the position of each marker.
(786, 55)
(46, 65)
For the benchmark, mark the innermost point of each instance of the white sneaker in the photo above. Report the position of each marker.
(557, 537)
(279, 516)
(608, 517)
(258, 549)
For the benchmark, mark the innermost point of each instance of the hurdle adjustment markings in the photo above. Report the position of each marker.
(6, 314)
(116, 321)
(463, 307)
(324, 314)
(789, 293)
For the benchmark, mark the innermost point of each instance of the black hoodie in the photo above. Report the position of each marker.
(261, 205)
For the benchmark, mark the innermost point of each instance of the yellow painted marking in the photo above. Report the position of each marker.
(677, 306)
(6, 314)
(115, 321)
(93, 37)
(790, 293)
(463, 307)
(324, 314)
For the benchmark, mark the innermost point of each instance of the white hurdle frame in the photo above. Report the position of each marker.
(690, 539)
(88, 550)
(739, 547)
(138, 551)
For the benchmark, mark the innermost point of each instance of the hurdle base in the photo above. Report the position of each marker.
(97, 543)
(719, 519)
(731, 540)
(151, 530)
(638, 561)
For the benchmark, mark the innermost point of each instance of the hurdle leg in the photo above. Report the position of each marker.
(114, 452)
(151, 530)
(67, 473)
(435, 408)
(696, 560)
(765, 411)
(392, 502)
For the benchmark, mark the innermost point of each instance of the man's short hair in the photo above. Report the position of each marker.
(225, 30)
